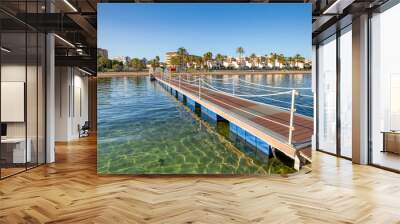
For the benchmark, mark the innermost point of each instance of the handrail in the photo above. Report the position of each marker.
(198, 81)
(257, 102)
(237, 108)
(251, 95)
(299, 105)
(261, 95)
(257, 88)
(223, 79)
(274, 87)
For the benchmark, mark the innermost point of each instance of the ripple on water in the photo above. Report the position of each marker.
(144, 130)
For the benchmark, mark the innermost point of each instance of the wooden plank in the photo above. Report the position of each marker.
(244, 120)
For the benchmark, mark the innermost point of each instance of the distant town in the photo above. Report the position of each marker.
(182, 60)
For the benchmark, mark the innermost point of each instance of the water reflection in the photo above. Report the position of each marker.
(142, 129)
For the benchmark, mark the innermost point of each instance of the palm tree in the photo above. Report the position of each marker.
(263, 60)
(253, 58)
(290, 61)
(268, 59)
(207, 57)
(220, 59)
(274, 58)
(240, 51)
(281, 59)
(298, 58)
(175, 60)
(199, 61)
(190, 59)
(155, 63)
(182, 55)
(181, 51)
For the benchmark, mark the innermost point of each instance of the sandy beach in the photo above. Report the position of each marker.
(112, 74)
(261, 72)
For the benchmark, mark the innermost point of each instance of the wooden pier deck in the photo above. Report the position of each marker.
(268, 123)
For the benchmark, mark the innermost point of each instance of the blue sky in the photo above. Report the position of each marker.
(147, 30)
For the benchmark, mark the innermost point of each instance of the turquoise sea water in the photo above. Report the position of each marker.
(142, 129)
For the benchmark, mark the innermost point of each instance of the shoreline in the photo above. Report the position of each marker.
(219, 72)
(113, 74)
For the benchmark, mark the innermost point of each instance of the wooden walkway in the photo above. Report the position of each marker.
(270, 120)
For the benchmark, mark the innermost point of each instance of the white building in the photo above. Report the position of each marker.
(119, 58)
(211, 64)
(168, 57)
(269, 64)
(102, 52)
(299, 64)
(248, 64)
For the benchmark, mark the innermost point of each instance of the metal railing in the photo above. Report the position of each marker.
(196, 84)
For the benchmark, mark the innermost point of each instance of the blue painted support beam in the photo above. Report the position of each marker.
(206, 113)
(180, 97)
(191, 103)
(184, 99)
(250, 139)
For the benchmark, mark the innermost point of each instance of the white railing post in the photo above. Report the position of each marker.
(292, 111)
(199, 87)
(179, 81)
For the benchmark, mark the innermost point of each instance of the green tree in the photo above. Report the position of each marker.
(190, 60)
(136, 64)
(181, 51)
(207, 57)
(175, 61)
(282, 59)
(253, 58)
(199, 61)
(274, 58)
(219, 57)
(263, 60)
(240, 51)
(117, 67)
(182, 56)
(143, 63)
(109, 64)
(155, 63)
(298, 59)
(289, 61)
(101, 63)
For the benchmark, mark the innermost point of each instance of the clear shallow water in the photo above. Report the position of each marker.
(142, 129)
